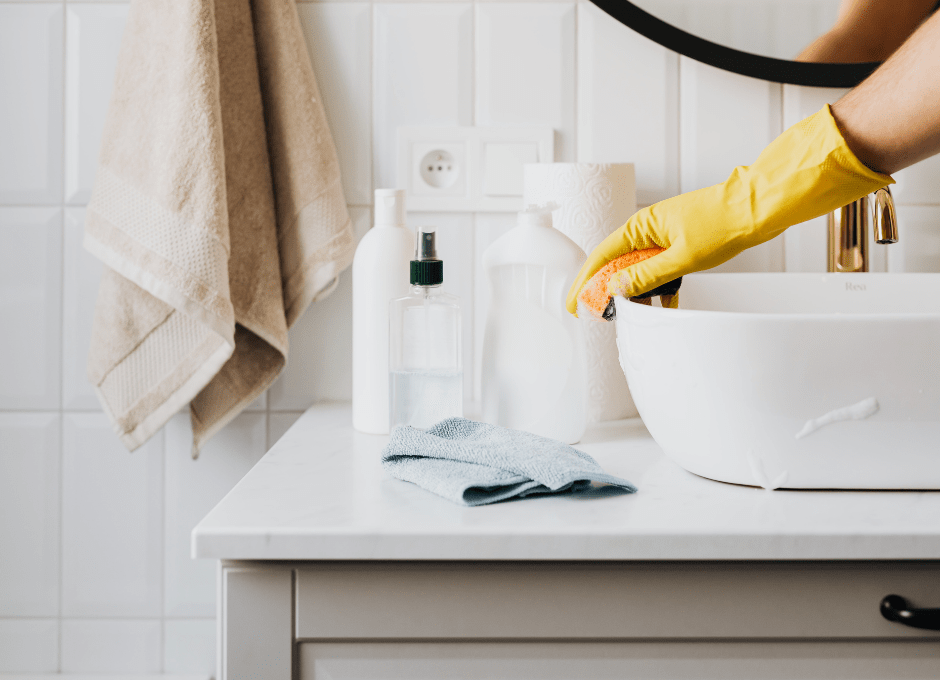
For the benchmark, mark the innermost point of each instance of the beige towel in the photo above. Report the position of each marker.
(217, 209)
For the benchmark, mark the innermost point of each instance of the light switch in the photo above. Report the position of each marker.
(502, 166)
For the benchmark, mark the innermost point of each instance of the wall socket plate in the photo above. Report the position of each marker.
(468, 169)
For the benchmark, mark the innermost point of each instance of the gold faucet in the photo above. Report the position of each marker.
(848, 230)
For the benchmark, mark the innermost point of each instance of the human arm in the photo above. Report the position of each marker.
(892, 120)
(832, 158)
(867, 30)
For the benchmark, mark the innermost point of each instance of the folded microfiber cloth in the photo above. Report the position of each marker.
(473, 463)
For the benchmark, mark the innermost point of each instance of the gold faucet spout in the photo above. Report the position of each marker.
(848, 231)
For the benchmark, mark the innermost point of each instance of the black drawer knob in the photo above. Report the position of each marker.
(896, 608)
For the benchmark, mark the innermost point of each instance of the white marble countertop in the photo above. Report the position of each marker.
(320, 494)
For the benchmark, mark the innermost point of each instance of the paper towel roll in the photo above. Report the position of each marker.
(594, 199)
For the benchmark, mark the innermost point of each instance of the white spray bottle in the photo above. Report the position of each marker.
(380, 274)
(534, 375)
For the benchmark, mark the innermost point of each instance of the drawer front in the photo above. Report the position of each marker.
(608, 601)
(901, 660)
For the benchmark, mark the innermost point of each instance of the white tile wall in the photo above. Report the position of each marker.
(339, 38)
(919, 247)
(93, 540)
(29, 645)
(111, 646)
(423, 65)
(30, 306)
(31, 50)
(189, 646)
(112, 521)
(29, 514)
(628, 103)
(525, 68)
(93, 36)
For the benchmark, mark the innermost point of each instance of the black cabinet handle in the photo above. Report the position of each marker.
(896, 608)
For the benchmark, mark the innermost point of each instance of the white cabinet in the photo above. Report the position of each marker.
(548, 620)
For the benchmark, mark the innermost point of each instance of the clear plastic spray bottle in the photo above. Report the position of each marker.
(425, 372)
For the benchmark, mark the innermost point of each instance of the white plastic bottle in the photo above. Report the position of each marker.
(426, 376)
(533, 372)
(380, 274)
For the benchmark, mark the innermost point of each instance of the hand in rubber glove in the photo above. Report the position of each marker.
(806, 172)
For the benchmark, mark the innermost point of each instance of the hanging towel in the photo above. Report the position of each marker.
(217, 210)
(473, 463)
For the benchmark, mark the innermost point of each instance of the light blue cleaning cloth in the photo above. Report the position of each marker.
(473, 463)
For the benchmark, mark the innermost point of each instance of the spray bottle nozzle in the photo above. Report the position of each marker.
(426, 269)
(426, 247)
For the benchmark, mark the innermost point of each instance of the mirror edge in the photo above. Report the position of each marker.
(729, 59)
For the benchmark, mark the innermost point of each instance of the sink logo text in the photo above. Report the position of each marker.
(854, 286)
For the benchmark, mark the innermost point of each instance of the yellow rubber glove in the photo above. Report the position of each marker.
(806, 172)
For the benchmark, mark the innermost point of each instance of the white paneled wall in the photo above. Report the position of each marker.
(95, 575)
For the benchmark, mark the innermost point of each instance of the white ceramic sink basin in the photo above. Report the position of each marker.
(849, 362)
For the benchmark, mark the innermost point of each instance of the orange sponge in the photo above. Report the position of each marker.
(594, 296)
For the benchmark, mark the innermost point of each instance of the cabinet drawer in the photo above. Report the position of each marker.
(608, 600)
(901, 660)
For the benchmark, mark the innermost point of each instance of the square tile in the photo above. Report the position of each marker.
(628, 103)
(725, 120)
(81, 276)
(189, 647)
(279, 424)
(260, 404)
(29, 514)
(112, 646)
(31, 48)
(525, 68)
(919, 184)
(193, 488)
(319, 365)
(30, 306)
(423, 73)
(918, 249)
(92, 42)
(800, 102)
(339, 38)
(29, 645)
(112, 538)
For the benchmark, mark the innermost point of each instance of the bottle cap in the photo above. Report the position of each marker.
(537, 216)
(426, 269)
(389, 207)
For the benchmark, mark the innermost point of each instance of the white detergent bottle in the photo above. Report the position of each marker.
(534, 375)
(379, 275)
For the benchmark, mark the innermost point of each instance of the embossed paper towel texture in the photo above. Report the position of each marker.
(594, 199)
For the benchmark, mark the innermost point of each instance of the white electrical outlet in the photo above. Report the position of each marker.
(439, 169)
(468, 168)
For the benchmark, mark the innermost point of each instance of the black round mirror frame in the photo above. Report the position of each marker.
(745, 63)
